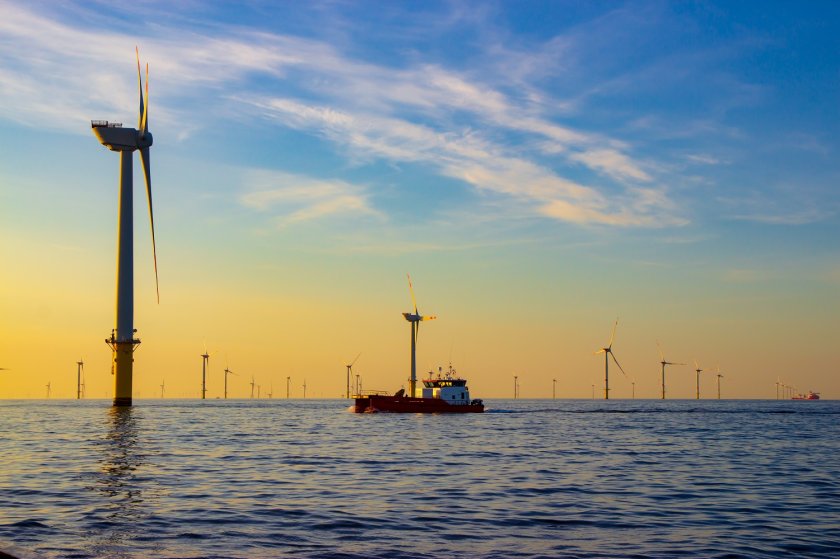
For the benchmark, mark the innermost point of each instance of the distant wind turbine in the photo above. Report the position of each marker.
(554, 389)
(252, 387)
(126, 141)
(288, 382)
(162, 387)
(80, 367)
(350, 372)
(304, 389)
(228, 372)
(48, 390)
(205, 361)
(415, 320)
(664, 362)
(697, 370)
(719, 376)
(607, 351)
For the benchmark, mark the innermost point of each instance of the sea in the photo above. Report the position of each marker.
(526, 479)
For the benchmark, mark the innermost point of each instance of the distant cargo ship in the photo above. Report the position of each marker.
(810, 396)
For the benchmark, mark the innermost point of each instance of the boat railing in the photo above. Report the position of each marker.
(365, 393)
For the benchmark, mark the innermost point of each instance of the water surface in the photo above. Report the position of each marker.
(529, 478)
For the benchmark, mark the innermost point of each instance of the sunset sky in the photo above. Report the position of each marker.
(539, 168)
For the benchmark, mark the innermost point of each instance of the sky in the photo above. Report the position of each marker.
(541, 169)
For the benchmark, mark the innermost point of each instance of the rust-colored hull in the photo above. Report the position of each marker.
(402, 404)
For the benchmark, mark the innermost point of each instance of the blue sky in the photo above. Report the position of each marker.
(560, 163)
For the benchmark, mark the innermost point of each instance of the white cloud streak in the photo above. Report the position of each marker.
(295, 199)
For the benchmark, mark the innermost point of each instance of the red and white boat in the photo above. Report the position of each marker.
(445, 394)
(810, 396)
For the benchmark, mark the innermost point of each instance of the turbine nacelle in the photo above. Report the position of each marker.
(413, 317)
(113, 136)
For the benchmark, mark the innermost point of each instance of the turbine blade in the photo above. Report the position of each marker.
(602, 350)
(428, 317)
(140, 87)
(144, 121)
(411, 290)
(661, 356)
(619, 364)
(356, 359)
(144, 156)
(612, 336)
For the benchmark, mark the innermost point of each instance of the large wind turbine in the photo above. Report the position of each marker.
(607, 351)
(415, 320)
(719, 376)
(663, 363)
(350, 372)
(126, 141)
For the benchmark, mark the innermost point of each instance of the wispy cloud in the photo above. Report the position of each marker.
(294, 199)
(460, 124)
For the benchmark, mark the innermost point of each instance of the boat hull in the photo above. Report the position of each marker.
(402, 404)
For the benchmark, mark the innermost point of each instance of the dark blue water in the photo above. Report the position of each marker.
(286, 478)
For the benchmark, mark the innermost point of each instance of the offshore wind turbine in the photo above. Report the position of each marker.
(126, 141)
(80, 367)
(229, 372)
(607, 351)
(663, 363)
(252, 387)
(415, 320)
(162, 387)
(288, 382)
(720, 376)
(48, 390)
(697, 370)
(205, 360)
(350, 372)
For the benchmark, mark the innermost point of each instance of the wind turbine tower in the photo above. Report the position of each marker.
(415, 320)
(288, 383)
(252, 387)
(80, 366)
(663, 363)
(162, 387)
(126, 141)
(607, 351)
(350, 373)
(719, 376)
(554, 389)
(48, 390)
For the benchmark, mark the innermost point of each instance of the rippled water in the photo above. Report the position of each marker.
(286, 478)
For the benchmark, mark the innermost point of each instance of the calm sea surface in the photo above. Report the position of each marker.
(529, 478)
